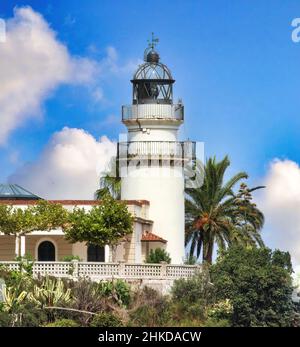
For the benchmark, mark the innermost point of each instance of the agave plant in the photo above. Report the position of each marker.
(12, 299)
(50, 293)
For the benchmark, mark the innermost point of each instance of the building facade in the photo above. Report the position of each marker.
(52, 246)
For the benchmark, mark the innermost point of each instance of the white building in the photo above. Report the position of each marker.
(151, 161)
(152, 158)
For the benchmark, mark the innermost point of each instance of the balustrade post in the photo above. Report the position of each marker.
(122, 269)
(163, 269)
(75, 269)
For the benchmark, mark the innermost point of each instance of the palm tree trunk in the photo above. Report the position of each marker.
(207, 253)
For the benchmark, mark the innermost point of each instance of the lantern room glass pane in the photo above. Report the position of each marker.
(153, 71)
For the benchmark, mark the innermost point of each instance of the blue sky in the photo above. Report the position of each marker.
(235, 64)
(236, 69)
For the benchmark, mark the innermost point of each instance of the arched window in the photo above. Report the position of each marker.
(46, 251)
(95, 253)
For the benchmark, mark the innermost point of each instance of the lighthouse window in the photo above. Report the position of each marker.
(147, 91)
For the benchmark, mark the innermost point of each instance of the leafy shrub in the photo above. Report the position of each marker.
(149, 308)
(12, 299)
(106, 319)
(63, 323)
(71, 257)
(191, 297)
(23, 315)
(157, 256)
(217, 323)
(28, 315)
(5, 319)
(86, 298)
(51, 292)
(221, 310)
(17, 279)
(148, 316)
(190, 260)
(258, 283)
(117, 290)
(26, 264)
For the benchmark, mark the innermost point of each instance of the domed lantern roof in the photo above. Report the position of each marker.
(152, 82)
(153, 71)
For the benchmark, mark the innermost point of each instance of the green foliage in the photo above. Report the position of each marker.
(106, 319)
(5, 319)
(51, 292)
(192, 296)
(19, 280)
(118, 290)
(12, 299)
(217, 323)
(15, 221)
(190, 260)
(146, 315)
(158, 255)
(246, 287)
(110, 182)
(25, 315)
(258, 284)
(26, 264)
(48, 215)
(221, 310)
(42, 216)
(63, 323)
(149, 308)
(69, 258)
(85, 298)
(216, 215)
(102, 225)
(28, 315)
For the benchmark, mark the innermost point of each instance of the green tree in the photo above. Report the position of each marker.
(110, 182)
(16, 221)
(105, 224)
(258, 283)
(158, 255)
(49, 216)
(215, 214)
(42, 216)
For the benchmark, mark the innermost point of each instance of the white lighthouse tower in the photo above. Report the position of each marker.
(152, 158)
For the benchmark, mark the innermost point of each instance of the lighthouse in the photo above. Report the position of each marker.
(151, 157)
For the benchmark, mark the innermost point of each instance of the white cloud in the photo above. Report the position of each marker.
(280, 202)
(112, 65)
(69, 167)
(97, 95)
(33, 64)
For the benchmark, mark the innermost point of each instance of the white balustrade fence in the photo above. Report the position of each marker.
(99, 271)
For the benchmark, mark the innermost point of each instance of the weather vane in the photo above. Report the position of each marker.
(151, 45)
(153, 42)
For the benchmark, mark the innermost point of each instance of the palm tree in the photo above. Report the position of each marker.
(216, 215)
(110, 182)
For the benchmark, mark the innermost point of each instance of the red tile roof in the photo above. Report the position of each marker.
(150, 237)
(70, 202)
